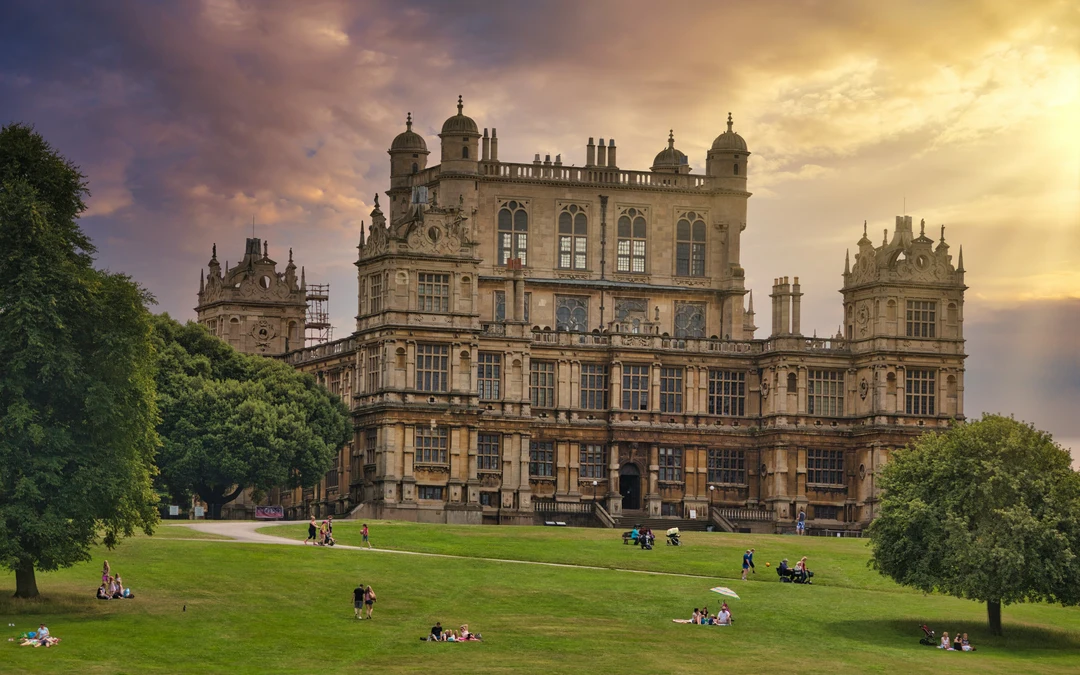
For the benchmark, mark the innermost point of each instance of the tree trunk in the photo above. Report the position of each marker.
(993, 615)
(25, 581)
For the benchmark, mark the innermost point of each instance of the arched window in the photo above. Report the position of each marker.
(690, 245)
(573, 238)
(736, 169)
(464, 152)
(630, 252)
(513, 232)
(415, 167)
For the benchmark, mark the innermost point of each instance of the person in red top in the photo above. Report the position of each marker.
(364, 535)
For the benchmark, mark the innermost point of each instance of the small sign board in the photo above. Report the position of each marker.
(174, 510)
(200, 512)
(269, 512)
(693, 514)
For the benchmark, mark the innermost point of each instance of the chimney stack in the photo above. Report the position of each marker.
(601, 154)
(494, 146)
(486, 146)
(796, 311)
(590, 153)
(611, 154)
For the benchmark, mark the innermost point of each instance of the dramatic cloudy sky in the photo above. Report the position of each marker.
(190, 118)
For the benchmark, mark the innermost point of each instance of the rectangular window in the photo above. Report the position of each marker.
(630, 246)
(432, 367)
(594, 386)
(375, 296)
(371, 439)
(635, 387)
(671, 390)
(825, 393)
(433, 292)
(920, 391)
(727, 467)
(826, 512)
(374, 369)
(593, 461)
(489, 499)
(542, 384)
(727, 393)
(824, 467)
(671, 464)
(487, 452)
(429, 492)
(542, 459)
(431, 444)
(334, 382)
(489, 375)
(690, 245)
(921, 318)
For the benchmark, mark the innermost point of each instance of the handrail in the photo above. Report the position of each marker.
(603, 516)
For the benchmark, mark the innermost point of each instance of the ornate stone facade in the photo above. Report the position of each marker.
(539, 338)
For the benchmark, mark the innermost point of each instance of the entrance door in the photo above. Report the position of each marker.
(630, 487)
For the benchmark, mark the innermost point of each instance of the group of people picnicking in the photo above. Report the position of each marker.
(112, 586)
(957, 644)
(38, 638)
(440, 634)
(702, 617)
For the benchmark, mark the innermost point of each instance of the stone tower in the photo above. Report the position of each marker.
(252, 306)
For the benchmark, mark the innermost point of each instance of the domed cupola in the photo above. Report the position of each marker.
(408, 153)
(727, 158)
(459, 123)
(670, 159)
(409, 139)
(460, 143)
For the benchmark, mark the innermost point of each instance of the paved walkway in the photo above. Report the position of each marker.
(245, 532)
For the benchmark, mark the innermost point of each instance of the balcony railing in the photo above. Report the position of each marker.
(596, 175)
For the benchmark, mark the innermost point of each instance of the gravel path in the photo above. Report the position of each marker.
(245, 532)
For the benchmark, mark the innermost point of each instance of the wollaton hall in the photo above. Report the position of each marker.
(537, 341)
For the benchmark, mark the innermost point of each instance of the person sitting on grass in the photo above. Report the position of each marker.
(696, 616)
(946, 643)
(965, 645)
(723, 618)
(451, 636)
(724, 608)
(467, 636)
(103, 593)
(436, 632)
(957, 643)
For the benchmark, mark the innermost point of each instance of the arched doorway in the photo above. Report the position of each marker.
(630, 487)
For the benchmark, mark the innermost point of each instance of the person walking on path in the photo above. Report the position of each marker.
(800, 527)
(358, 601)
(364, 535)
(369, 600)
(748, 562)
(312, 532)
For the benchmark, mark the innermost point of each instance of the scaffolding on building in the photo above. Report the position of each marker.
(317, 328)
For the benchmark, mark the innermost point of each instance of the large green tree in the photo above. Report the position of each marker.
(77, 406)
(988, 511)
(232, 421)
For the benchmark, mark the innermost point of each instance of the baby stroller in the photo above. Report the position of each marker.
(329, 540)
(673, 537)
(928, 637)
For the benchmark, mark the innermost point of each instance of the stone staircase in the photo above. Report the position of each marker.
(660, 525)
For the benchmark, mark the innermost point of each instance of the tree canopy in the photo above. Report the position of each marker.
(231, 421)
(987, 511)
(77, 406)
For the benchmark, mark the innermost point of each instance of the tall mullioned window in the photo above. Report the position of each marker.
(630, 247)
(489, 375)
(433, 292)
(671, 390)
(487, 452)
(671, 464)
(542, 459)
(542, 384)
(594, 386)
(727, 467)
(593, 462)
(513, 232)
(921, 318)
(431, 445)
(824, 467)
(573, 238)
(375, 293)
(690, 246)
(500, 306)
(571, 313)
(727, 393)
(635, 387)
(920, 391)
(432, 367)
(374, 369)
(825, 392)
(371, 440)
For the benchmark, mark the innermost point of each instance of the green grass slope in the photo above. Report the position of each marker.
(255, 608)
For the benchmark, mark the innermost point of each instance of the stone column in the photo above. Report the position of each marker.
(616, 385)
(800, 392)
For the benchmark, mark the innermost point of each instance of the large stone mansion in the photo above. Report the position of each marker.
(536, 341)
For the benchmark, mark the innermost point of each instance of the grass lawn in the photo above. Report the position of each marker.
(263, 608)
